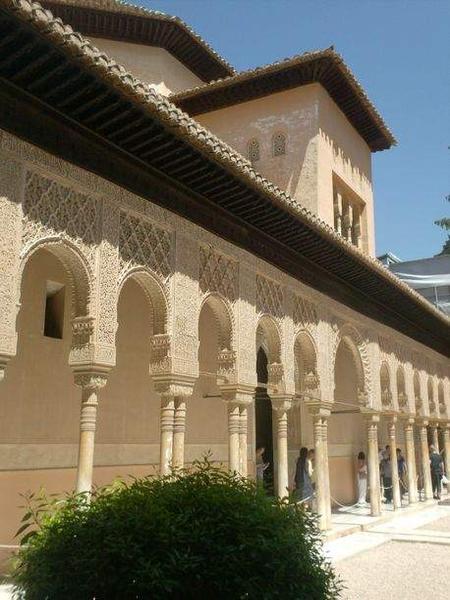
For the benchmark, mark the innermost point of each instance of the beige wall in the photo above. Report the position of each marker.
(150, 64)
(321, 145)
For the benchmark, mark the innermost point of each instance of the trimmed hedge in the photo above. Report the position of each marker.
(192, 535)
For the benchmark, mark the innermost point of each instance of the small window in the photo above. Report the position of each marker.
(54, 310)
(278, 144)
(253, 151)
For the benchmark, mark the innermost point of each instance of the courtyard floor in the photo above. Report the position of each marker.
(407, 557)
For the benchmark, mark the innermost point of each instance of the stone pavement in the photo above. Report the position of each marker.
(407, 557)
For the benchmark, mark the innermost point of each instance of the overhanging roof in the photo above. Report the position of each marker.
(127, 23)
(324, 66)
(60, 93)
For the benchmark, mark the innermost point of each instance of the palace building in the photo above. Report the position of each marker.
(187, 256)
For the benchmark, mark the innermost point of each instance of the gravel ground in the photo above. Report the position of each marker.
(397, 571)
(439, 525)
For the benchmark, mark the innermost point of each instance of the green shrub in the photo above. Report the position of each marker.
(193, 535)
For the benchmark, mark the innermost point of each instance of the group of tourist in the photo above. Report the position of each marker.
(304, 481)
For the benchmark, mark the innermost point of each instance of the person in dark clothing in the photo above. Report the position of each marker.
(402, 470)
(437, 470)
(303, 484)
(386, 474)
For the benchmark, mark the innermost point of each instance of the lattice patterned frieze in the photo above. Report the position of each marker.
(51, 209)
(269, 296)
(305, 314)
(160, 361)
(218, 273)
(143, 244)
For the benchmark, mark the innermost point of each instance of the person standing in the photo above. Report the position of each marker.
(261, 466)
(401, 465)
(386, 470)
(437, 470)
(303, 485)
(362, 479)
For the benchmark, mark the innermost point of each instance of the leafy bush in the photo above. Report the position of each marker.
(192, 535)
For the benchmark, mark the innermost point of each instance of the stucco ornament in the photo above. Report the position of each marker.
(269, 297)
(218, 273)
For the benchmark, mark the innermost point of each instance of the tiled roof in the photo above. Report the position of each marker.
(188, 130)
(323, 66)
(191, 48)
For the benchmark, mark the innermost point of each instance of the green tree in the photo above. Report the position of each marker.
(188, 536)
(444, 224)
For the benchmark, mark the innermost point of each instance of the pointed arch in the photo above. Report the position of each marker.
(268, 337)
(156, 294)
(350, 337)
(402, 398)
(305, 357)
(441, 399)
(430, 393)
(385, 385)
(76, 266)
(224, 317)
(418, 402)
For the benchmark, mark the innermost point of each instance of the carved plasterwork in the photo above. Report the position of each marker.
(144, 244)
(269, 296)
(305, 313)
(218, 273)
(52, 210)
(161, 359)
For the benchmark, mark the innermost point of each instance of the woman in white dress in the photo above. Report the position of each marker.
(362, 479)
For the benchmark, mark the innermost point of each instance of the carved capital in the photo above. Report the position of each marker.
(238, 394)
(319, 408)
(275, 372)
(161, 360)
(174, 386)
(90, 380)
(226, 369)
(82, 331)
(281, 402)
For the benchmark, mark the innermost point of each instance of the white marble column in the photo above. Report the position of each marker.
(411, 460)
(446, 436)
(90, 384)
(425, 459)
(281, 405)
(243, 459)
(435, 436)
(234, 429)
(320, 411)
(396, 496)
(166, 433)
(179, 428)
(372, 421)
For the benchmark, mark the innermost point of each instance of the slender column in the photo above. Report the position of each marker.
(338, 212)
(326, 471)
(234, 427)
(90, 384)
(167, 426)
(281, 405)
(179, 427)
(243, 441)
(411, 461)
(373, 464)
(447, 449)
(425, 458)
(397, 500)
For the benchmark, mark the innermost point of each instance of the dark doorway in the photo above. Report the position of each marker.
(263, 418)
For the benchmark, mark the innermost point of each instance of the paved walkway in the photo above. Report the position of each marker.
(407, 557)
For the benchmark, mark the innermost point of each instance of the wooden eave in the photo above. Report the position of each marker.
(65, 105)
(318, 67)
(152, 30)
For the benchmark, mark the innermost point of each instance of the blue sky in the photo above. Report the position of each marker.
(400, 52)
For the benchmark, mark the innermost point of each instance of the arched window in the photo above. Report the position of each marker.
(278, 144)
(253, 151)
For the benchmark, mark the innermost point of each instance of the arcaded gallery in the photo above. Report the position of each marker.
(187, 266)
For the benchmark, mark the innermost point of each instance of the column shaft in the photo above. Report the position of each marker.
(88, 419)
(167, 425)
(435, 437)
(243, 441)
(374, 472)
(411, 462)
(179, 428)
(234, 427)
(322, 478)
(282, 453)
(396, 496)
(447, 451)
(425, 457)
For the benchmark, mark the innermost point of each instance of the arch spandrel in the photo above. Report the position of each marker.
(268, 337)
(347, 334)
(307, 381)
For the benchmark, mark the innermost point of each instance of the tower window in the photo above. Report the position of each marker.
(253, 151)
(278, 144)
(54, 310)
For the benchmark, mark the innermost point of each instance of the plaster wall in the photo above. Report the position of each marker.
(150, 64)
(44, 201)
